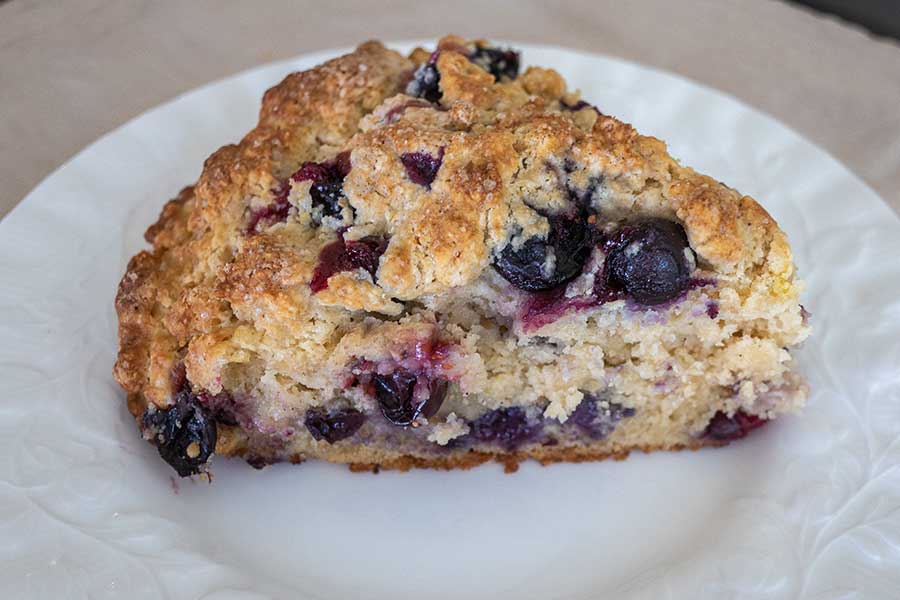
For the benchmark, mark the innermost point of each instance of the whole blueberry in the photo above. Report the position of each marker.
(545, 263)
(395, 396)
(649, 261)
(333, 426)
(184, 433)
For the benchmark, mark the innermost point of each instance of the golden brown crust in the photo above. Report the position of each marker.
(320, 106)
(229, 295)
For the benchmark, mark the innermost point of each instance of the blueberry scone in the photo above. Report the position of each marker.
(439, 260)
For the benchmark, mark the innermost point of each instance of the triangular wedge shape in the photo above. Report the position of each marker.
(439, 260)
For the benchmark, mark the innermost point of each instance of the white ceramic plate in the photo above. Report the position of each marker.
(808, 507)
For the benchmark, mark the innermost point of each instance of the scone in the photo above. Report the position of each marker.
(436, 261)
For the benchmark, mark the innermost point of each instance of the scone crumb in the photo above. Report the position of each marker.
(193, 450)
(562, 406)
(453, 427)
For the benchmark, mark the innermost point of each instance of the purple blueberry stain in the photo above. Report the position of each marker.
(545, 307)
(506, 427)
(333, 426)
(342, 255)
(712, 309)
(275, 212)
(597, 419)
(422, 167)
(726, 428)
(224, 408)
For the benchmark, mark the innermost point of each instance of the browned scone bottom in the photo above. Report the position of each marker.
(512, 460)
(438, 261)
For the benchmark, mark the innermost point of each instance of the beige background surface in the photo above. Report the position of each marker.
(71, 70)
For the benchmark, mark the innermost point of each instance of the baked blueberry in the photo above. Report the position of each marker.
(545, 263)
(724, 428)
(342, 255)
(507, 427)
(395, 394)
(595, 420)
(223, 286)
(333, 426)
(425, 82)
(437, 393)
(422, 167)
(327, 188)
(650, 261)
(502, 63)
(184, 433)
(276, 212)
(580, 104)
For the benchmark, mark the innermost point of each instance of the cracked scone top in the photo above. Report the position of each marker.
(439, 260)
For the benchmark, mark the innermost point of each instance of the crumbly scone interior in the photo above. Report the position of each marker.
(236, 303)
